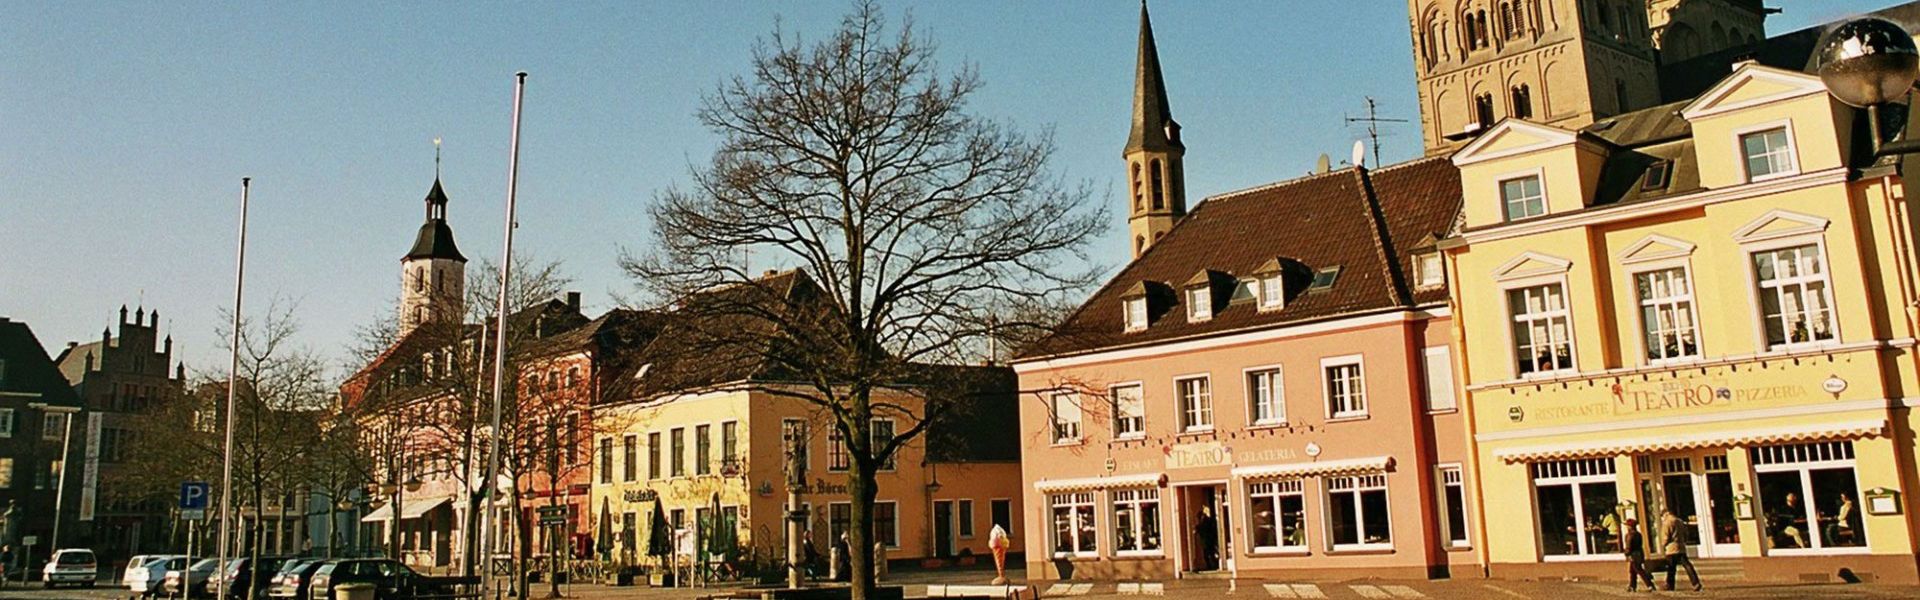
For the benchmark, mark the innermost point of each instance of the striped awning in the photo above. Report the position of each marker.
(414, 509)
(1784, 434)
(1099, 483)
(1345, 466)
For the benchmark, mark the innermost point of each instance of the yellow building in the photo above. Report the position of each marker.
(1707, 308)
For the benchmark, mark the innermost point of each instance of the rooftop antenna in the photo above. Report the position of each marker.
(1373, 121)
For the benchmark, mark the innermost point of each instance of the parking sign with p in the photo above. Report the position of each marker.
(193, 499)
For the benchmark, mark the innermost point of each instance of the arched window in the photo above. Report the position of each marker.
(1139, 244)
(440, 281)
(1522, 102)
(1507, 24)
(1139, 200)
(420, 279)
(553, 380)
(1483, 110)
(1159, 191)
(419, 314)
(1480, 27)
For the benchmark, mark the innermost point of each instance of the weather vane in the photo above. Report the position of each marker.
(436, 157)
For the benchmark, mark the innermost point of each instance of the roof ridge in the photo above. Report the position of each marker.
(1382, 238)
(1311, 176)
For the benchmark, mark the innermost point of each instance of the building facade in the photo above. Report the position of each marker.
(39, 415)
(1699, 309)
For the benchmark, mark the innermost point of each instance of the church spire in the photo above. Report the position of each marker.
(1153, 126)
(1154, 155)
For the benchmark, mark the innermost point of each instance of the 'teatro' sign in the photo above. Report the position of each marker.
(1198, 454)
(1636, 398)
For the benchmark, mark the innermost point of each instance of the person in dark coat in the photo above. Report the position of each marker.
(1207, 532)
(845, 560)
(1673, 540)
(1634, 545)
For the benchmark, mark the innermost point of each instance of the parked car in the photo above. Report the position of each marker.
(239, 574)
(72, 565)
(391, 580)
(137, 567)
(189, 581)
(147, 579)
(292, 580)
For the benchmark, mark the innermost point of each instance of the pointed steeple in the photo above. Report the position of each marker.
(1153, 125)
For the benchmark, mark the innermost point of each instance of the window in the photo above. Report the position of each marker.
(1002, 514)
(629, 458)
(678, 458)
(1577, 500)
(6, 422)
(1159, 190)
(839, 518)
(730, 443)
(54, 426)
(1666, 314)
(1768, 153)
(1273, 292)
(1136, 521)
(1357, 507)
(1266, 398)
(1324, 278)
(653, 455)
(1279, 515)
(1795, 305)
(1199, 303)
(1483, 110)
(886, 524)
(1808, 497)
(837, 458)
(1658, 174)
(606, 460)
(46, 479)
(1073, 532)
(1243, 291)
(1346, 387)
(1066, 418)
(1136, 313)
(6, 472)
(702, 449)
(1522, 101)
(1129, 412)
(881, 434)
(1542, 339)
(1139, 199)
(1438, 369)
(1196, 403)
(966, 518)
(794, 431)
(1428, 270)
(573, 440)
(1523, 198)
(1453, 506)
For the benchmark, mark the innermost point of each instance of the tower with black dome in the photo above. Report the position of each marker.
(433, 273)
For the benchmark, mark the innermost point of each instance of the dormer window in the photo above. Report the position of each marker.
(1323, 279)
(1428, 270)
(1199, 303)
(1522, 197)
(1658, 174)
(1136, 313)
(1273, 292)
(1768, 153)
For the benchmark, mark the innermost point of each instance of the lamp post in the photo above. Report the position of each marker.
(1868, 63)
(66, 450)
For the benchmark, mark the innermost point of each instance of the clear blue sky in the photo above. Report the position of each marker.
(125, 128)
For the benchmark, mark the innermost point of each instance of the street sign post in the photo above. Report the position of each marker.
(553, 515)
(193, 499)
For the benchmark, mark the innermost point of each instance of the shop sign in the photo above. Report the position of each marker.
(1198, 454)
(820, 486)
(641, 495)
(1688, 393)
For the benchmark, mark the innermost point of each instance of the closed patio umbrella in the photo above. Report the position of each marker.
(659, 536)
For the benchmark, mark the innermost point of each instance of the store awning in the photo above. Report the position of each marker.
(413, 510)
(1706, 439)
(1345, 466)
(1098, 483)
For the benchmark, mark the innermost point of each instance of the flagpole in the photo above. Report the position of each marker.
(233, 376)
(500, 329)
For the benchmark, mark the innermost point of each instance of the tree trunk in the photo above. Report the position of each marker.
(862, 489)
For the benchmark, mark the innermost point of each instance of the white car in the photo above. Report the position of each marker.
(145, 579)
(137, 567)
(72, 565)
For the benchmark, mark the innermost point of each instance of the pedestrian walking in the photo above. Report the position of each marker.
(1207, 532)
(1674, 542)
(1635, 547)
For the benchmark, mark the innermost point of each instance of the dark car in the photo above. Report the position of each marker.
(292, 580)
(390, 579)
(239, 574)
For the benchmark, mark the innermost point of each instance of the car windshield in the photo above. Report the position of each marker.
(205, 565)
(76, 558)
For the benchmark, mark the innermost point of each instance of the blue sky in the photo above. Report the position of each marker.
(125, 129)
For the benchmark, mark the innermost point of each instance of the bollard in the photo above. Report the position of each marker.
(879, 561)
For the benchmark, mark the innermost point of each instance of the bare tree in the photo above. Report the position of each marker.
(928, 229)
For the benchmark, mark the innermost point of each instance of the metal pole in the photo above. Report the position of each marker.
(500, 314)
(60, 487)
(233, 376)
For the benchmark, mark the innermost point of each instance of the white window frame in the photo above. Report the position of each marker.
(1326, 388)
(1429, 270)
(1278, 488)
(1060, 436)
(50, 432)
(1466, 505)
(1819, 242)
(1189, 417)
(894, 542)
(1199, 303)
(1435, 389)
(1136, 498)
(1073, 500)
(1364, 482)
(1793, 149)
(1805, 470)
(1500, 192)
(1276, 395)
(1579, 506)
(1513, 348)
(1273, 292)
(1114, 393)
(1691, 297)
(1134, 312)
(963, 519)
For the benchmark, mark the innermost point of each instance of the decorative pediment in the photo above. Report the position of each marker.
(1530, 264)
(1778, 224)
(1655, 247)
(1752, 85)
(1513, 137)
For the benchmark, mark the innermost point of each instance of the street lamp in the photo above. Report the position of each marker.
(66, 452)
(1869, 63)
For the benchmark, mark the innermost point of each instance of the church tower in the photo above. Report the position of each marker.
(433, 274)
(1157, 190)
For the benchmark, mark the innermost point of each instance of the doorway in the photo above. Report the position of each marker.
(1698, 489)
(943, 528)
(1205, 523)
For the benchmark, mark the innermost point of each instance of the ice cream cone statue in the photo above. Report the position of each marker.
(997, 541)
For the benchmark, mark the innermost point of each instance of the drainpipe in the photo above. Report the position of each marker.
(1467, 414)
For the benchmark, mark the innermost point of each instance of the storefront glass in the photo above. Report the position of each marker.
(1577, 501)
(1279, 515)
(1073, 531)
(1358, 507)
(1136, 521)
(1788, 476)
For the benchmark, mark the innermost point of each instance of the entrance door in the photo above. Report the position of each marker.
(943, 528)
(1204, 519)
(1699, 491)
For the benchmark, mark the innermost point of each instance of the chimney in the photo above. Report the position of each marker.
(573, 301)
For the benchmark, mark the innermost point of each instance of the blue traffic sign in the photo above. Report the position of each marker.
(194, 495)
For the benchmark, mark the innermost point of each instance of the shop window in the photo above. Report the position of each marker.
(1542, 338)
(1136, 521)
(1073, 532)
(1266, 396)
(882, 434)
(1438, 370)
(1809, 497)
(1357, 509)
(966, 518)
(1346, 387)
(1726, 528)
(1796, 306)
(1523, 197)
(1279, 515)
(1767, 154)
(629, 458)
(1129, 412)
(1196, 403)
(1667, 321)
(1577, 500)
(1066, 418)
(653, 455)
(1453, 506)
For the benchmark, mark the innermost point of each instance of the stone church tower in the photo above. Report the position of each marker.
(1565, 63)
(433, 274)
(1157, 189)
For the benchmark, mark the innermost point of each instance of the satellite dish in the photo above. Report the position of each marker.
(1359, 153)
(1323, 165)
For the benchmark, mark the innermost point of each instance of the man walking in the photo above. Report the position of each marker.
(1635, 547)
(1674, 543)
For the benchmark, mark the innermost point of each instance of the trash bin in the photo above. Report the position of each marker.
(353, 591)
